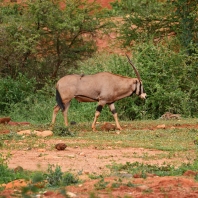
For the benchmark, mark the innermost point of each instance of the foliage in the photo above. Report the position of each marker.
(62, 131)
(39, 41)
(143, 20)
(7, 174)
(144, 169)
(101, 184)
(169, 78)
(56, 177)
(155, 20)
(186, 13)
(16, 90)
(45, 38)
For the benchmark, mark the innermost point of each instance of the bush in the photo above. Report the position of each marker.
(56, 177)
(13, 91)
(169, 78)
(7, 174)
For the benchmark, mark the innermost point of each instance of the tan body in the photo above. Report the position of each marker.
(104, 88)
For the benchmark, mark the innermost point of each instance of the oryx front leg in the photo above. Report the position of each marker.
(115, 115)
(97, 113)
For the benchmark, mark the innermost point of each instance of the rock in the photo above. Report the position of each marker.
(5, 131)
(71, 195)
(53, 194)
(16, 184)
(190, 173)
(168, 116)
(44, 133)
(60, 146)
(18, 169)
(24, 132)
(162, 126)
(108, 127)
(73, 123)
(82, 154)
(38, 133)
(137, 175)
(143, 188)
(41, 150)
(5, 120)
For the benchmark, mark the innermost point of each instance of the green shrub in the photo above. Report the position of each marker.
(56, 177)
(143, 169)
(169, 78)
(13, 91)
(7, 174)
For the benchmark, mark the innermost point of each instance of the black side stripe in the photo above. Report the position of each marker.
(140, 92)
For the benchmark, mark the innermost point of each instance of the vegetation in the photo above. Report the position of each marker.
(177, 145)
(42, 41)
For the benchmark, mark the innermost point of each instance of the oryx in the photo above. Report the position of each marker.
(103, 87)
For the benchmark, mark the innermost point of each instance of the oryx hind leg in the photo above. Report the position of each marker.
(115, 115)
(55, 111)
(65, 111)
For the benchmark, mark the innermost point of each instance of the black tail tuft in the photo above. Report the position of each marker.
(59, 100)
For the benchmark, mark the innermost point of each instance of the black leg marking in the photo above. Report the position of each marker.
(114, 111)
(99, 108)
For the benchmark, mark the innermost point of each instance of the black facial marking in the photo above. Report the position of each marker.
(140, 91)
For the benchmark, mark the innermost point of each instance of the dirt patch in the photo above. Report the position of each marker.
(151, 187)
(85, 160)
(94, 161)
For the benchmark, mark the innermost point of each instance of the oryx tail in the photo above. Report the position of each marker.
(59, 100)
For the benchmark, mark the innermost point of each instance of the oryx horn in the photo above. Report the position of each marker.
(136, 71)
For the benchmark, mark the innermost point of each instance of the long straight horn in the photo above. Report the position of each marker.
(136, 71)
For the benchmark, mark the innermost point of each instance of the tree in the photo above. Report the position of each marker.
(145, 20)
(186, 13)
(43, 38)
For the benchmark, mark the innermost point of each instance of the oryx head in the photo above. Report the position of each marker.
(139, 90)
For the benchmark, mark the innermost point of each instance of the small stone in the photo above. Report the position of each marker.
(82, 154)
(73, 123)
(24, 132)
(162, 126)
(18, 169)
(16, 184)
(117, 132)
(143, 188)
(46, 133)
(108, 127)
(5, 131)
(4, 120)
(190, 173)
(71, 195)
(41, 150)
(60, 146)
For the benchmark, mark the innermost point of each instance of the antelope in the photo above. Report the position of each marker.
(104, 88)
